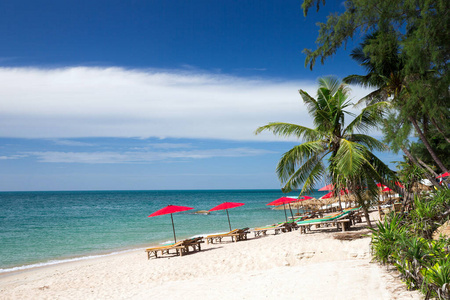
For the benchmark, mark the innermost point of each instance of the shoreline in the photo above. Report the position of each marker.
(49, 263)
(286, 266)
(93, 255)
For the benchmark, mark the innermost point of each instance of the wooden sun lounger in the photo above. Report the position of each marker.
(178, 247)
(341, 220)
(181, 247)
(218, 237)
(240, 234)
(194, 243)
(282, 227)
(236, 235)
(262, 231)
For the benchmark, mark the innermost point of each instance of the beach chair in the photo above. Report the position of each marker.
(340, 220)
(281, 227)
(179, 248)
(194, 243)
(240, 234)
(218, 237)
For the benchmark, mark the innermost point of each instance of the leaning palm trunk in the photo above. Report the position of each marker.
(427, 145)
(427, 175)
(439, 129)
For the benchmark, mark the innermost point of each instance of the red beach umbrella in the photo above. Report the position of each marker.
(327, 196)
(397, 183)
(329, 187)
(446, 174)
(387, 189)
(331, 194)
(170, 209)
(227, 206)
(381, 185)
(283, 201)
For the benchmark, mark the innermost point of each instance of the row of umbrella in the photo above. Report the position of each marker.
(171, 209)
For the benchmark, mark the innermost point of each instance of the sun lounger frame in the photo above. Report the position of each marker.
(342, 221)
(180, 248)
(236, 235)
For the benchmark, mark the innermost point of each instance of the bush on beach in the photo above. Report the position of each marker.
(404, 240)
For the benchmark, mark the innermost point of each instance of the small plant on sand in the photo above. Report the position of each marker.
(437, 279)
(386, 236)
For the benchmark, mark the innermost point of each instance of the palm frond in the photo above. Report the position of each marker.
(361, 80)
(311, 103)
(368, 141)
(331, 83)
(314, 177)
(296, 157)
(288, 129)
(349, 157)
(310, 171)
(378, 95)
(368, 118)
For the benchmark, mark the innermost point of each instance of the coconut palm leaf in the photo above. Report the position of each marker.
(350, 157)
(368, 118)
(309, 174)
(297, 156)
(368, 141)
(288, 129)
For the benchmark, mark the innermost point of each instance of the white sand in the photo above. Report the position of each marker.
(286, 266)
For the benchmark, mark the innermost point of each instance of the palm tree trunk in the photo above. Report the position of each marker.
(433, 121)
(427, 167)
(428, 176)
(366, 215)
(427, 145)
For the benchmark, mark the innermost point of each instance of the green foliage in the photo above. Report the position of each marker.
(423, 263)
(439, 144)
(423, 216)
(429, 213)
(386, 236)
(346, 148)
(424, 42)
(405, 53)
(437, 278)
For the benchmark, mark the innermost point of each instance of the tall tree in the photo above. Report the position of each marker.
(409, 50)
(379, 54)
(346, 149)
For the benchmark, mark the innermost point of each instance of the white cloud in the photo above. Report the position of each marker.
(140, 156)
(113, 102)
(171, 145)
(8, 157)
(72, 143)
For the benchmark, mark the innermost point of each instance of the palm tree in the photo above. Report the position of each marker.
(380, 54)
(351, 164)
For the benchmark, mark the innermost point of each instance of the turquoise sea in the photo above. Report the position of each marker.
(41, 228)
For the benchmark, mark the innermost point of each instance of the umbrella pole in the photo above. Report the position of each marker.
(173, 227)
(285, 214)
(228, 219)
(291, 211)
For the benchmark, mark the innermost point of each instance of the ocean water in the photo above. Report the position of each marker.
(40, 228)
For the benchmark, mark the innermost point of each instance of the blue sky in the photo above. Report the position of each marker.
(153, 94)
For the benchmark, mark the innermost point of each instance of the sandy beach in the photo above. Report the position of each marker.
(286, 266)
